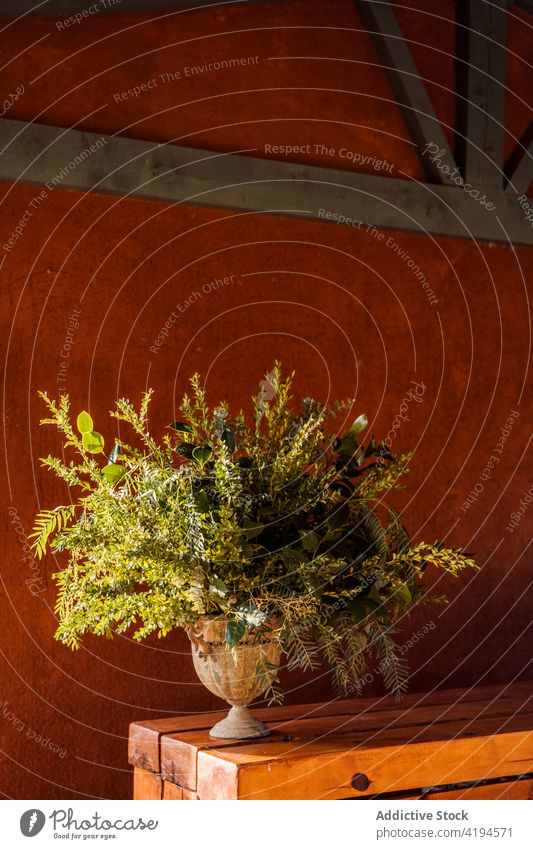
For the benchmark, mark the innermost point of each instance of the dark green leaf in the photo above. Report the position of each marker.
(228, 438)
(181, 426)
(371, 448)
(293, 557)
(252, 529)
(235, 631)
(202, 454)
(347, 447)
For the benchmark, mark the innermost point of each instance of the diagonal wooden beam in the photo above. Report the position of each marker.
(527, 5)
(53, 158)
(408, 88)
(81, 9)
(519, 169)
(481, 57)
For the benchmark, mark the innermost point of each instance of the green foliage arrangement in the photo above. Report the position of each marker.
(281, 521)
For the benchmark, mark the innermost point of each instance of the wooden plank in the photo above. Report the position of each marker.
(481, 58)
(506, 790)
(392, 761)
(519, 169)
(408, 88)
(146, 785)
(56, 158)
(189, 795)
(179, 752)
(61, 8)
(172, 791)
(144, 736)
(217, 778)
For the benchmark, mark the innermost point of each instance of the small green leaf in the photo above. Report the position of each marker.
(234, 632)
(93, 442)
(310, 541)
(202, 454)
(181, 426)
(359, 424)
(84, 423)
(113, 472)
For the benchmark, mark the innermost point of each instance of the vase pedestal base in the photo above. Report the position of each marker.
(239, 724)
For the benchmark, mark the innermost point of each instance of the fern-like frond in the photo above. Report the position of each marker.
(302, 652)
(398, 537)
(375, 532)
(392, 667)
(49, 522)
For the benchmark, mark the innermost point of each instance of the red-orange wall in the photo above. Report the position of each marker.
(336, 304)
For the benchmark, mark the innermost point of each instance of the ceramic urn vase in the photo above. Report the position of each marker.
(237, 675)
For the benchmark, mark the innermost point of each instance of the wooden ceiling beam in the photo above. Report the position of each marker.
(481, 59)
(54, 158)
(519, 169)
(409, 90)
(88, 8)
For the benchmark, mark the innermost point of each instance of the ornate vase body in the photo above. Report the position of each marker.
(237, 675)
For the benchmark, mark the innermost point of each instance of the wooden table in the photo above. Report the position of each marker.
(451, 744)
